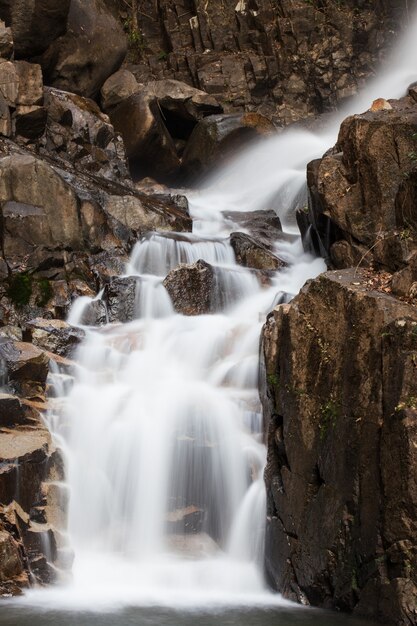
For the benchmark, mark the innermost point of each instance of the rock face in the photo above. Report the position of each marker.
(92, 48)
(32, 513)
(341, 414)
(287, 59)
(364, 193)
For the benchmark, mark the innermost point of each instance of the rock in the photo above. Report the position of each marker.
(14, 412)
(368, 196)
(251, 253)
(12, 574)
(381, 105)
(35, 24)
(263, 225)
(341, 391)
(53, 336)
(121, 297)
(148, 143)
(80, 133)
(21, 83)
(26, 367)
(95, 314)
(191, 288)
(117, 88)
(6, 41)
(30, 121)
(92, 49)
(217, 136)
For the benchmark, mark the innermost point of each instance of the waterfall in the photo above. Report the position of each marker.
(161, 429)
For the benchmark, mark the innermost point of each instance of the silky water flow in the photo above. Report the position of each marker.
(161, 427)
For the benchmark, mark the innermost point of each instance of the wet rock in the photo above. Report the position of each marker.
(92, 49)
(341, 391)
(251, 253)
(14, 412)
(191, 287)
(121, 297)
(26, 367)
(95, 314)
(218, 136)
(188, 520)
(53, 336)
(12, 573)
(264, 225)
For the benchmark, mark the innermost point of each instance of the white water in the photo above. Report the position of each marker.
(164, 415)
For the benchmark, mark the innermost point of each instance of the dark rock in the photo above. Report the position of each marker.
(121, 297)
(191, 288)
(36, 24)
(92, 49)
(218, 136)
(30, 121)
(95, 314)
(6, 41)
(14, 412)
(341, 391)
(149, 145)
(251, 253)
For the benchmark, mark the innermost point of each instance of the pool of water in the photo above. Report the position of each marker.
(12, 614)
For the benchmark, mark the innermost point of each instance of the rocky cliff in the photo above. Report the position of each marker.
(340, 385)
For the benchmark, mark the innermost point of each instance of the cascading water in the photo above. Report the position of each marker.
(161, 430)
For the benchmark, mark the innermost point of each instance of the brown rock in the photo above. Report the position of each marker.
(118, 87)
(191, 288)
(341, 389)
(251, 253)
(26, 366)
(53, 336)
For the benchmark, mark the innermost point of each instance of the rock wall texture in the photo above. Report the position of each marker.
(287, 59)
(340, 384)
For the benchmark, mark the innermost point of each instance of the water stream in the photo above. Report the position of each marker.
(161, 429)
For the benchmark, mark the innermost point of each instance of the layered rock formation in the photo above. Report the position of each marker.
(287, 58)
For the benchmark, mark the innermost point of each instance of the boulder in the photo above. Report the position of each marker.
(364, 195)
(149, 146)
(251, 253)
(35, 23)
(218, 136)
(341, 411)
(191, 288)
(92, 49)
(117, 88)
(21, 83)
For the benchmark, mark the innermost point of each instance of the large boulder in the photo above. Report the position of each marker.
(92, 49)
(216, 137)
(35, 23)
(149, 146)
(341, 413)
(363, 192)
(191, 288)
